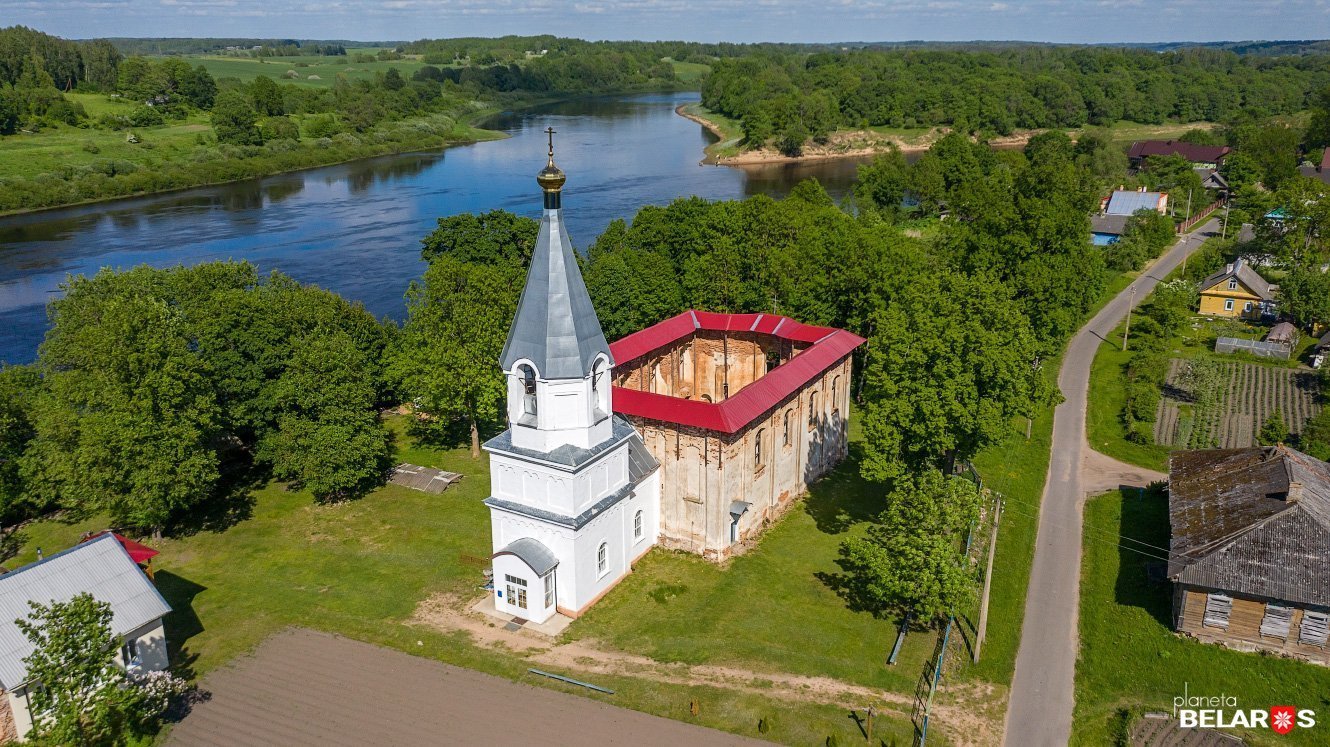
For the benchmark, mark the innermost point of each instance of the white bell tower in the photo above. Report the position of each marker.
(575, 494)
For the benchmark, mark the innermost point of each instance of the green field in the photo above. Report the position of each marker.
(323, 69)
(1131, 661)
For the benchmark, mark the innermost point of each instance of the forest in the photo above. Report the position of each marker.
(795, 97)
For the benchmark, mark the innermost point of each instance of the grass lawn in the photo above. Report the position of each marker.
(361, 568)
(731, 131)
(1130, 660)
(771, 608)
(1103, 418)
(689, 72)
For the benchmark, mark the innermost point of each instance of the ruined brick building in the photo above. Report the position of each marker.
(742, 411)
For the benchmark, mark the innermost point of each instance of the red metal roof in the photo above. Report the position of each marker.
(1190, 151)
(829, 345)
(138, 553)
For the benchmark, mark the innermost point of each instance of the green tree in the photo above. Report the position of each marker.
(83, 698)
(497, 237)
(9, 110)
(393, 80)
(126, 420)
(1273, 431)
(266, 96)
(1315, 436)
(234, 120)
(951, 363)
(1304, 294)
(328, 438)
(445, 359)
(19, 386)
(912, 561)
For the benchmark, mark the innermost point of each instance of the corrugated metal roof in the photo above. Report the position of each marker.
(1109, 224)
(555, 326)
(535, 554)
(1123, 202)
(829, 346)
(1237, 528)
(101, 568)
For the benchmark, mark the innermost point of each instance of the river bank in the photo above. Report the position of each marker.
(863, 144)
(172, 168)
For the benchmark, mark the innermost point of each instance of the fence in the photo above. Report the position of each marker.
(1255, 347)
(1186, 225)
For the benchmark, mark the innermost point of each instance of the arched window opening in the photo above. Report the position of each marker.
(812, 410)
(773, 360)
(528, 389)
(835, 395)
(757, 447)
(637, 525)
(603, 559)
(785, 438)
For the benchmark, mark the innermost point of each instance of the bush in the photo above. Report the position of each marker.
(322, 126)
(145, 116)
(279, 128)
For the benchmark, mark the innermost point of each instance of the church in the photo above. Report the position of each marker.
(740, 413)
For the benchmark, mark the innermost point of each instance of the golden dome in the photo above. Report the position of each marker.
(551, 178)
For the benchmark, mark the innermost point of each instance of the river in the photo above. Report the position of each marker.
(356, 228)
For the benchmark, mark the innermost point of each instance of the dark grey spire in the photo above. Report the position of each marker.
(556, 326)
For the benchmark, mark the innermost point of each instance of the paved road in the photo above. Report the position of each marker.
(306, 688)
(1040, 709)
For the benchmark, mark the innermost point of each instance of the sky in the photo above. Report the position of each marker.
(1074, 21)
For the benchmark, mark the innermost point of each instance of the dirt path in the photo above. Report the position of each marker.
(1042, 698)
(965, 714)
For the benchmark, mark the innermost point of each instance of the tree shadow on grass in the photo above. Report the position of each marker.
(182, 623)
(1143, 529)
(843, 498)
(231, 503)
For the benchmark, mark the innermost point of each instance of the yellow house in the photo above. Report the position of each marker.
(1236, 291)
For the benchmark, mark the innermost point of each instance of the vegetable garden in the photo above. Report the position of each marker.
(1210, 404)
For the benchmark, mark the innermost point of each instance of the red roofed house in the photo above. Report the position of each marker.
(742, 411)
(1205, 156)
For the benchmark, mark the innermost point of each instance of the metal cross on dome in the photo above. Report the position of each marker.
(550, 131)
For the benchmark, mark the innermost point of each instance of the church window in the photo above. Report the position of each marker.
(785, 439)
(835, 395)
(812, 410)
(549, 589)
(516, 591)
(528, 389)
(757, 447)
(637, 525)
(603, 559)
(773, 360)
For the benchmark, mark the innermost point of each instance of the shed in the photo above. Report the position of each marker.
(1283, 333)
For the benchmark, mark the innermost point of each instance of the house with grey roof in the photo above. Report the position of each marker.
(100, 567)
(1237, 291)
(1128, 201)
(1249, 550)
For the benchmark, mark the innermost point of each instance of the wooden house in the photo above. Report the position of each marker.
(1249, 554)
(1237, 291)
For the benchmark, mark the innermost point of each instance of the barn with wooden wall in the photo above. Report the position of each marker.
(1250, 549)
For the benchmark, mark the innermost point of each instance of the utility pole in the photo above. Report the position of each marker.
(988, 579)
(1126, 329)
(1188, 203)
(1224, 233)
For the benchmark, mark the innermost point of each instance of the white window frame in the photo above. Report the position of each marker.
(639, 526)
(603, 559)
(1232, 284)
(516, 590)
(1228, 304)
(549, 589)
(1246, 308)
